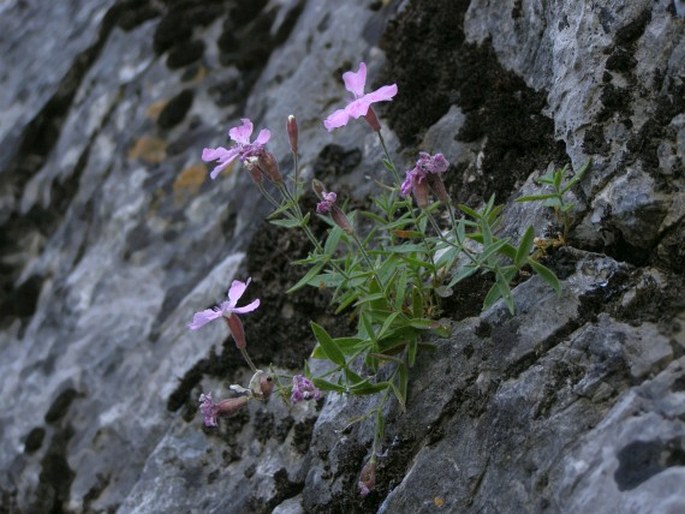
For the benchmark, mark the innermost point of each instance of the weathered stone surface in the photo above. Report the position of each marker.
(112, 236)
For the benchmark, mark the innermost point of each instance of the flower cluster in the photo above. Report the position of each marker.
(304, 389)
(326, 203)
(426, 173)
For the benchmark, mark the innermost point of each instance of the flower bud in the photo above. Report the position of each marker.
(420, 189)
(230, 406)
(261, 385)
(367, 478)
(266, 385)
(291, 128)
(437, 185)
(269, 166)
(340, 219)
(318, 188)
(226, 408)
(235, 326)
(252, 167)
(371, 117)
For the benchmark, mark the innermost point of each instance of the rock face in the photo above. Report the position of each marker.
(112, 236)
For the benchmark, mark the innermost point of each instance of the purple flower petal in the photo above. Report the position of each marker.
(355, 82)
(200, 319)
(263, 137)
(225, 157)
(241, 134)
(212, 154)
(383, 93)
(247, 308)
(304, 389)
(237, 290)
(406, 185)
(208, 409)
(359, 107)
(336, 120)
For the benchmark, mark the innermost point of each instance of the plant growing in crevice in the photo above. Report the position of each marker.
(389, 266)
(555, 199)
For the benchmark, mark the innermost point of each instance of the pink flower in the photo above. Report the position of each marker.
(242, 149)
(326, 204)
(361, 105)
(226, 309)
(304, 389)
(432, 163)
(426, 172)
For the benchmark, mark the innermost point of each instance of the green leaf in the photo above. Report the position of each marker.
(325, 385)
(370, 298)
(287, 223)
(367, 387)
(556, 178)
(463, 273)
(328, 345)
(508, 250)
(546, 274)
(400, 389)
(417, 302)
(387, 324)
(400, 288)
(314, 270)
(334, 235)
(346, 300)
(493, 295)
(491, 249)
(406, 248)
(577, 177)
(469, 211)
(547, 179)
(536, 198)
(424, 324)
(353, 378)
(411, 351)
(525, 246)
(374, 217)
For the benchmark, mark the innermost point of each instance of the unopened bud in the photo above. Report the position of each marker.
(252, 166)
(438, 186)
(367, 477)
(261, 384)
(269, 166)
(291, 128)
(235, 326)
(371, 117)
(266, 385)
(420, 190)
(230, 406)
(340, 219)
(318, 188)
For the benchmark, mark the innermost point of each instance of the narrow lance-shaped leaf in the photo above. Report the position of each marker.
(546, 274)
(525, 246)
(328, 345)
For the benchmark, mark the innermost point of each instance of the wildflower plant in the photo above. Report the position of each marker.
(389, 266)
(556, 198)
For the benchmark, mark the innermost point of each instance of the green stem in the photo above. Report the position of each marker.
(243, 351)
(398, 182)
(368, 260)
